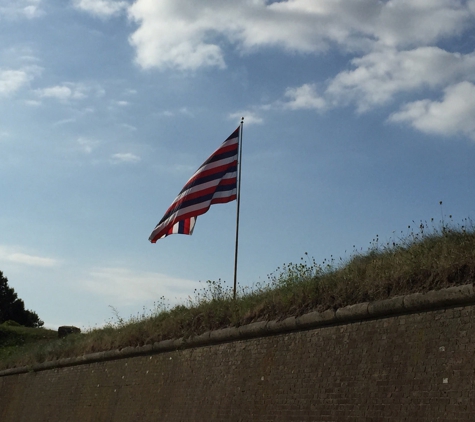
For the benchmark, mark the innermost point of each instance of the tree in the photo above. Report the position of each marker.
(12, 308)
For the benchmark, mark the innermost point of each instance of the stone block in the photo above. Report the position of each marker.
(386, 307)
(353, 312)
(66, 330)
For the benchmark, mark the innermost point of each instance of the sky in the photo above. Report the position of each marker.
(359, 119)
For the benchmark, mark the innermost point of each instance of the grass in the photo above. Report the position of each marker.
(17, 340)
(428, 258)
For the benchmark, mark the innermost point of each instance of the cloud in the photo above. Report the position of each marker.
(453, 115)
(125, 158)
(170, 37)
(250, 117)
(87, 145)
(33, 103)
(63, 121)
(304, 97)
(380, 75)
(15, 9)
(167, 113)
(101, 8)
(63, 93)
(128, 127)
(394, 45)
(187, 35)
(183, 111)
(123, 286)
(8, 254)
(12, 80)
(413, 22)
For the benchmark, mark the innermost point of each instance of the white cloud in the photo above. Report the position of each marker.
(186, 34)
(101, 8)
(455, 114)
(64, 92)
(304, 97)
(15, 9)
(183, 111)
(412, 22)
(169, 36)
(123, 286)
(9, 254)
(129, 127)
(12, 80)
(125, 158)
(250, 117)
(379, 76)
(87, 145)
(393, 42)
(32, 11)
(382, 74)
(33, 103)
(64, 121)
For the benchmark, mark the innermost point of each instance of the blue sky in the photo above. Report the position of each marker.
(359, 119)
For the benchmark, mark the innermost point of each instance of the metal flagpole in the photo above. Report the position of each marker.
(238, 200)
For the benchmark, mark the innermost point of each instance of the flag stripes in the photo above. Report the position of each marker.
(215, 182)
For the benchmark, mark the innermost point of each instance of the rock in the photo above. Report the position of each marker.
(65, 330)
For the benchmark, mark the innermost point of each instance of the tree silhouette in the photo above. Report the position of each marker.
(12, 307)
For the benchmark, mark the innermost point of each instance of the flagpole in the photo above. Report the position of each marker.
(238, 200)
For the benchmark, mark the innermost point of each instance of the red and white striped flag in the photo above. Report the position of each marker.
(215, 182)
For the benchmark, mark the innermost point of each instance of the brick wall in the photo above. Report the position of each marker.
(407, 366)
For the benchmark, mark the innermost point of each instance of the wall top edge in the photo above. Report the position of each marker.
(413, 303)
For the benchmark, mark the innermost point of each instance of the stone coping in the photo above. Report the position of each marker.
(413, 303)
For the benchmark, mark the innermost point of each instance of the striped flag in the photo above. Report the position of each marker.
(215, 182)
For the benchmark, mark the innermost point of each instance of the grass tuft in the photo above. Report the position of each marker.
(428, 258)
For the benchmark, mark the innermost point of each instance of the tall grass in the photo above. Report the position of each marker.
(428, 257)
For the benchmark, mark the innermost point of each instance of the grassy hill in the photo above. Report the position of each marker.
(16, 340)
(428, 258)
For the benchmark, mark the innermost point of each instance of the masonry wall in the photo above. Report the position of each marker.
(407, 366)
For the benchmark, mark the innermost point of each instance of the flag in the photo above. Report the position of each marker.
(215, 182)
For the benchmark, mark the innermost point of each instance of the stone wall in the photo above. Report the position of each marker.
(405, 359)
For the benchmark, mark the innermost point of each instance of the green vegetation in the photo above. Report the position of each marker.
(428, 258)
(17, 340)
